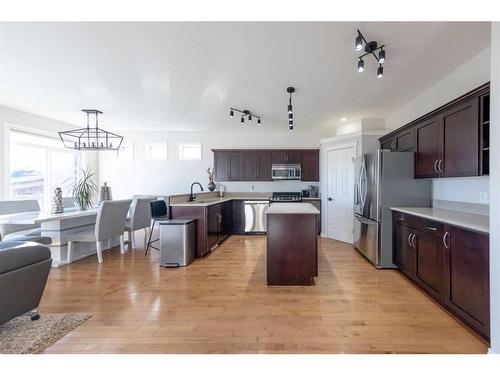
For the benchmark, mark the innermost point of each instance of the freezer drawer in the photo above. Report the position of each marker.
(366, 238)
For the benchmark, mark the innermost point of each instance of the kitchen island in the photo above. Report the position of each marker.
(292, 244)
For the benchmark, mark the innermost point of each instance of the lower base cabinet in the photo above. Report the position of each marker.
(451, 264)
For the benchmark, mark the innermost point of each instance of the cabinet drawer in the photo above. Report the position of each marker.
(423, 225)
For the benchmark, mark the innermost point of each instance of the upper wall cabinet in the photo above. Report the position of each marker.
(255, 165)
(451, 141)
(448, 145)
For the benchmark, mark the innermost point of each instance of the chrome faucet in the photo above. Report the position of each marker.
(192, 197)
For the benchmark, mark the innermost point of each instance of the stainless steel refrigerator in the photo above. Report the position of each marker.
(383, 179)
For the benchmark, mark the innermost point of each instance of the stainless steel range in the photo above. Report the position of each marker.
(286, 197)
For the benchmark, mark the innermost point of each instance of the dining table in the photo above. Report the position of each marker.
(58, 227)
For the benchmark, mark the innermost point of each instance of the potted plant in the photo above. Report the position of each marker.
(84, 189)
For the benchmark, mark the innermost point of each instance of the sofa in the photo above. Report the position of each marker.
(24, 269)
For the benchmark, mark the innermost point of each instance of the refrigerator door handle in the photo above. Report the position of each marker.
(362, 193)
(356, 194)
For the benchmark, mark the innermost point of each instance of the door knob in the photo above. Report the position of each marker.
(330, 199)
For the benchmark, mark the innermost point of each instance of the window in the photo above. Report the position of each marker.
(190, 151)
(156, 151)
(39, 164)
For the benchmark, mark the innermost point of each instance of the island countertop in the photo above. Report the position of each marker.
(292, 208)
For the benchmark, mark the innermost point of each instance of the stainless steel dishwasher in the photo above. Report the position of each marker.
(255, 216)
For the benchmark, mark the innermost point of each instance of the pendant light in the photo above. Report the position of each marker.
(91, 138)
(361, 66)
(380, 71)
(290, 90)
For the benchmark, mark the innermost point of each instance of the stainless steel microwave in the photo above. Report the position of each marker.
(286, 172)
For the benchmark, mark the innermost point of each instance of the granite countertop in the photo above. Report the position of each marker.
(205, 202)
(479, 223)
(202, 201)
(292, 208)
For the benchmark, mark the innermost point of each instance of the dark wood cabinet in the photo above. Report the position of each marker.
(309, 160)
(221, 165)
(401, 142)
(285, 156)
(238, 216)
(255, 165)
(468, 264)
(229, 165)
(461, 140)
(212, 230)
(430, 263)
(236, 166)
(451, 264)
(429, 143)
(450, 141)
(404, 251)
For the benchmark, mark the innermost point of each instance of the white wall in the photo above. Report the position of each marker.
(467, 77)
(164, 177)
(461, 189)
(495, 191)
(10, 116)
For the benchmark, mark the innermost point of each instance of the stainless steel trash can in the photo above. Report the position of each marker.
(177, 242)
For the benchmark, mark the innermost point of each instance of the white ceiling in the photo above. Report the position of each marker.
(185, 76)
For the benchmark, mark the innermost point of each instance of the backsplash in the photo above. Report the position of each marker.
(472, 208)
(267, 186)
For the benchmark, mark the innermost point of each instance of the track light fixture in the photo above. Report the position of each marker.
(245, 113)
(361, 65)
(358, 44)
(380, 71)
(370, 49)
(290, 91)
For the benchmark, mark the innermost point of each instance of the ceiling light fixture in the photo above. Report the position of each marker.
(381, 56)
(380, 71)
(91, 139)
(245, 113)
(370, 49)
(358, 44)
(361, 66)
(290, 91)
(343, 119)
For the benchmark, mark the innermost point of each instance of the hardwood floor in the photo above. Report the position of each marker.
(221, 304)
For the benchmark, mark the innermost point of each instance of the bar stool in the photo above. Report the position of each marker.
(158, 212)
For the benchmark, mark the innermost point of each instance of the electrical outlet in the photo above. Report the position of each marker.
(483, 197)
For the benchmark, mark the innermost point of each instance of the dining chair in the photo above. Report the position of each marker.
(109, 224)
(15, 207)
(159, 211)
(140, 218)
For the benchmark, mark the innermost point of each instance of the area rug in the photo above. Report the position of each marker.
(23, 336)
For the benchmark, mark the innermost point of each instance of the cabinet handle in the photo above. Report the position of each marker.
(445, 240)
(431, 228)
(413, 241)
(439, 166)
(435, 166)
(409, 239)
(400, 218)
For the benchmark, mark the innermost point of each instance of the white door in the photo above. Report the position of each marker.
(340, 194)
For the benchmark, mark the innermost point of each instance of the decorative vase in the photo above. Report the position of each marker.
(105, 193)
(211, 185)
(57, 202)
